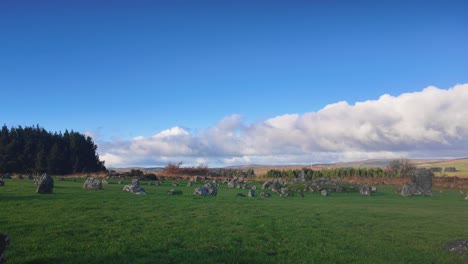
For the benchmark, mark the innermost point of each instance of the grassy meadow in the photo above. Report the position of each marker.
(73, 225)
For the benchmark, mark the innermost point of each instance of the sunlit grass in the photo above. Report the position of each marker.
(73, 225)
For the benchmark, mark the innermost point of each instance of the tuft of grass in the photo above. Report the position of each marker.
(74, 225)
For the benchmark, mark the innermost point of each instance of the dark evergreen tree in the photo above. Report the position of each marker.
(33, 149)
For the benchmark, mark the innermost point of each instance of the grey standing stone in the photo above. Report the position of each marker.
(45, 184)
(4, 242)
(266, 185)
(231, 184)
(92, 184)
(251, 193)
(364, 190)
(421, 183)
(208, 189)
(134, 187)
(459, 247)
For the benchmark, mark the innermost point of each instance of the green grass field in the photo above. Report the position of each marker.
(111, 226)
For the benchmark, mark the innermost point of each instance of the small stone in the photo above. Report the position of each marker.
(265, 195)
(365, 190)
(324, 192)
(174, 192)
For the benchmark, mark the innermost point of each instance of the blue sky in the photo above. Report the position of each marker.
(127, 70)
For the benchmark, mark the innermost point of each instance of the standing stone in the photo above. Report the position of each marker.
(189, 184)
(92, 184)
(251, 193)
(266, 185)
(45, 184)
(4, 241)
(231, 184)
(208, 189)
(421, 183)
(324, 192)
(364, 190)
(134, 187)
(459, 247)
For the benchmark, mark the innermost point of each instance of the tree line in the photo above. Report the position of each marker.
(310, 174)
(35, 150)
(173, 169)
(401, 168)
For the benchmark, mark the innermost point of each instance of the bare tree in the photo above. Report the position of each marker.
(400, 168)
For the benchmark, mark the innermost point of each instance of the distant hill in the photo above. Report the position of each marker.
(460, 164)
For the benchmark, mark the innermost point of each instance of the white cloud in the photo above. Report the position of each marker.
(429, 123)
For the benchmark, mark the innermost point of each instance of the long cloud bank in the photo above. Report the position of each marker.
(430, 123)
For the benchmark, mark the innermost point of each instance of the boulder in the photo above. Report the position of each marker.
(459, 247)
(4, 241)
(251, 193)
(45, 184)
(421, 183)
(365, 190)
(208, 189)
(265, 195)
(134, 187)
(92, 184)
